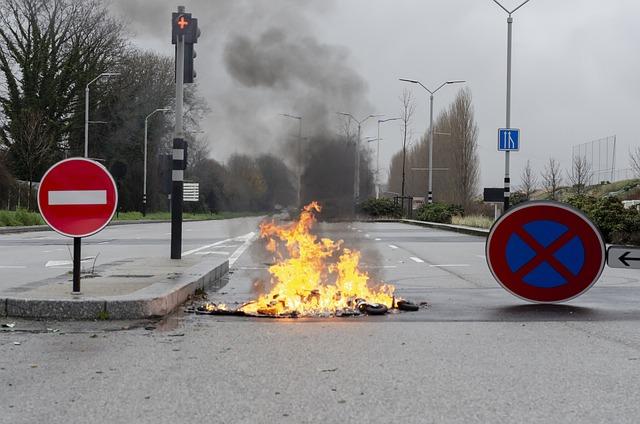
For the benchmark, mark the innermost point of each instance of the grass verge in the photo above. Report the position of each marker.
(476, 221)
(22, 218)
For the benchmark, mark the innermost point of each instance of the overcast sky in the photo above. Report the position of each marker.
(575, 67)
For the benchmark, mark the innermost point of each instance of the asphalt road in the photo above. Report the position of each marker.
(477, 354)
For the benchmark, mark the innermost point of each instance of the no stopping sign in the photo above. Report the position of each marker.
(545, 252)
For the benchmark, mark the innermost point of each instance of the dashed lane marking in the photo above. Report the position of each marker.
(393, 246)
(418, 260)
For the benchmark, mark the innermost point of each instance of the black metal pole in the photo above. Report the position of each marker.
(77, 243)
(177, 179)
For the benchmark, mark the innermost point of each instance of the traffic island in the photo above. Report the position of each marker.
(127, 289)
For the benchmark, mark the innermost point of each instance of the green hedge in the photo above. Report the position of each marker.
(617, 224)
(438, 212)
(381, 208)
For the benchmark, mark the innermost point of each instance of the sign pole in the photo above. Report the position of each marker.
(77, 197)
(77, 244)
(177, 173)
(507, 179)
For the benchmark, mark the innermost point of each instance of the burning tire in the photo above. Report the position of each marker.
(373, 308)
(405, 305)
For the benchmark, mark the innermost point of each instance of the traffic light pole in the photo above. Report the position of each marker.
(177, 172)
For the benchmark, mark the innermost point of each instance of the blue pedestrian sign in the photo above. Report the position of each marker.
(508, 139)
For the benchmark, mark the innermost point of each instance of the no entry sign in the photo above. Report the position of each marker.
(77, 197)
(545, 252)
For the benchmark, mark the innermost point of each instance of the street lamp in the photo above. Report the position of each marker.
(144, 177)
(299, 118)
(86, 109)
(507, 179)
(356, 179)
(378, 155)
(431, 93)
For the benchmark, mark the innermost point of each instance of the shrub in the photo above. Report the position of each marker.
(381, 208)
(438, 212)
(617, 224)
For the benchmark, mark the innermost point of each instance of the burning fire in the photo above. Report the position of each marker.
(313, 276)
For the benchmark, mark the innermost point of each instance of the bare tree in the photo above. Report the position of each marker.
(552, 177)
(529, 181)
(581, 174)
(464, 146)
(407, 110)
(634, 161)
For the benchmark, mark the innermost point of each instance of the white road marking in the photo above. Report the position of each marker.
(212, 252)
(249, 238)
(216, 244)
(377, 239)
(77, 197)
(418, 260)
(367, 235)
(103, 242)
(448, 265)
(51, 264)
(393, 246)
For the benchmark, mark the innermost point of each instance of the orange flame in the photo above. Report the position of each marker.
(319, 276)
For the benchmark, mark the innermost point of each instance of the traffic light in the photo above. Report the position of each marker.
(183, 25)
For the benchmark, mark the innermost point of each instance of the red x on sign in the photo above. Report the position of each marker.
(545, 252)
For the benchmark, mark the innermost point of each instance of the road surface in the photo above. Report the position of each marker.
(477, 354)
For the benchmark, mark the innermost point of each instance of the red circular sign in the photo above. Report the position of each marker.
(77, 197)
(545, 252)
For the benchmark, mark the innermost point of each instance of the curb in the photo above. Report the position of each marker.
(481, 232)
(36, 228)
(153, 301)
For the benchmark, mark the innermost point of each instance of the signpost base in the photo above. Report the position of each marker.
(77, 243)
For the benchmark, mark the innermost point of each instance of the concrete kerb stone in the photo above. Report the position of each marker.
(481, 232)
(81, 309)
(150, 305)
(158, 300)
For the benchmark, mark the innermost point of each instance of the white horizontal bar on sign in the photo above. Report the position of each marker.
(77, 197)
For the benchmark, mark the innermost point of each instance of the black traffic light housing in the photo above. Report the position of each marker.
(182, 24)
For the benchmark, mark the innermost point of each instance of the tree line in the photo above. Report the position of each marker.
(455, 154)
(49, 51)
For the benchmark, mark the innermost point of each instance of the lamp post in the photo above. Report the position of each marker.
(507, 179)
(86, 109)
(144, 177)
(431, 93)
(299, 118)
(356, 179)
(378, 155)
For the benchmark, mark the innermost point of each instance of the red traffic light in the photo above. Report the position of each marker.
(182, 22)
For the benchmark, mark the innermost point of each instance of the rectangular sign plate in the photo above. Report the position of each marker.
(627, 257)
(508, 139)
(493, 195)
